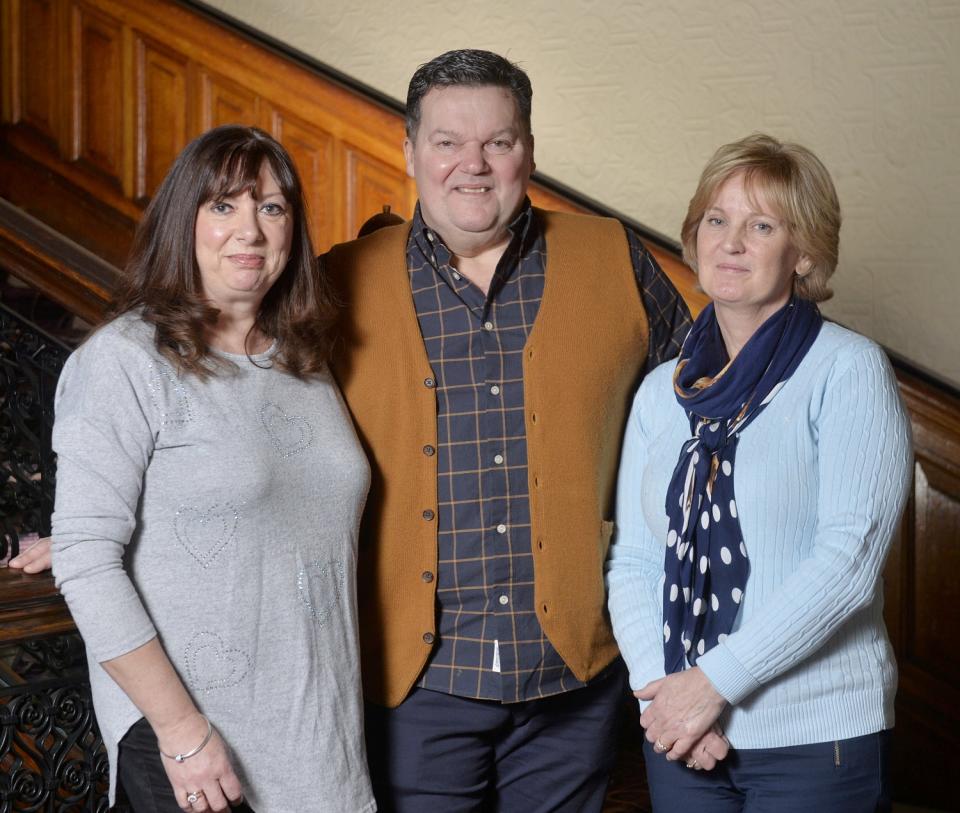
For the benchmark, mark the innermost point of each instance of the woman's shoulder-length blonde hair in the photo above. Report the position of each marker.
(162, 279)
(793, 181)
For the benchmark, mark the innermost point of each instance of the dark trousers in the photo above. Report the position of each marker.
(846, 776)
(439, 752)
(141, 774)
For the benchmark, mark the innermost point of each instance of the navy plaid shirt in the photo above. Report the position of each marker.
(490, 644)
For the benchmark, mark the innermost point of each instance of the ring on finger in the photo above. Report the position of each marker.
(194, 797)
(659, 747)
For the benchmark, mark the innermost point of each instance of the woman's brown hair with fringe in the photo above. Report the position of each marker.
(162, 278)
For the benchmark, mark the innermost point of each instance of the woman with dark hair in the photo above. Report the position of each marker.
(209, 491)
(762, 477)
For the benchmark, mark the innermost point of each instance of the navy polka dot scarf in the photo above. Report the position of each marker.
(706, 563)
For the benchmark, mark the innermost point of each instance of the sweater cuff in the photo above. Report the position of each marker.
(727, 674)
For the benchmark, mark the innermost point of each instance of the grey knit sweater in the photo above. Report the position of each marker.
(222, 517)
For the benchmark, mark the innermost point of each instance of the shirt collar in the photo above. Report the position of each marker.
(431, 244)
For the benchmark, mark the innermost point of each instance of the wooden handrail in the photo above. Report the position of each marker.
(31, 607)
(67, 273)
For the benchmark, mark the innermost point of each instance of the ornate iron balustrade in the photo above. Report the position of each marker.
(51, 752)
(30, 362)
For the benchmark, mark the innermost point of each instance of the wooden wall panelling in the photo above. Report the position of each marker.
(922, 597)
(372, 184)
(370, 169)
(98, 92)
(161, 104)
(314, 152)
(35, 100)
(9, 67)
(83, 171)
(930, 537)
(936, 567)
(37, 170)
(223, 101)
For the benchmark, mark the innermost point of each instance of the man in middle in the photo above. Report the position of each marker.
(489, 353)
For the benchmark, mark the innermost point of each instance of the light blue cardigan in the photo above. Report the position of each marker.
(821, 479)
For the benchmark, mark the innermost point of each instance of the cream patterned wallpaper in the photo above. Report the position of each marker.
(631, 97)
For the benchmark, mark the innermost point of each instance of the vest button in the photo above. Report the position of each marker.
(427, 576)
(429, 451)
(428, 514)
(429, 383)
(428, 637)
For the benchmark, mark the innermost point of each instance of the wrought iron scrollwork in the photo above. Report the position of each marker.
(59, 657)
(51, 751)
(30, 363)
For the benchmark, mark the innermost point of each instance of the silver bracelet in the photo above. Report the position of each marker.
(195, 751)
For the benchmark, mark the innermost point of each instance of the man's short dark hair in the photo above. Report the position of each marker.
(470, 67)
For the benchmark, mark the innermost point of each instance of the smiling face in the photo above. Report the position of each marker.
(746, 259)
(243, 242)
(472, 160)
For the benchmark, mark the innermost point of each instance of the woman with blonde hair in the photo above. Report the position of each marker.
(762, 478)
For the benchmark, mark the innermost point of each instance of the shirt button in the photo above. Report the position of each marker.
(498, 459)
(429, 451)
(488, 325)
(456, 276)
(429, 382)
(428, 637)
(430, 236)
(428, 515)
(504, 600)
(427, 576)
(501, 529)
(494, 390)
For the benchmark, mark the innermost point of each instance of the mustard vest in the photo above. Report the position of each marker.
(581, 365)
